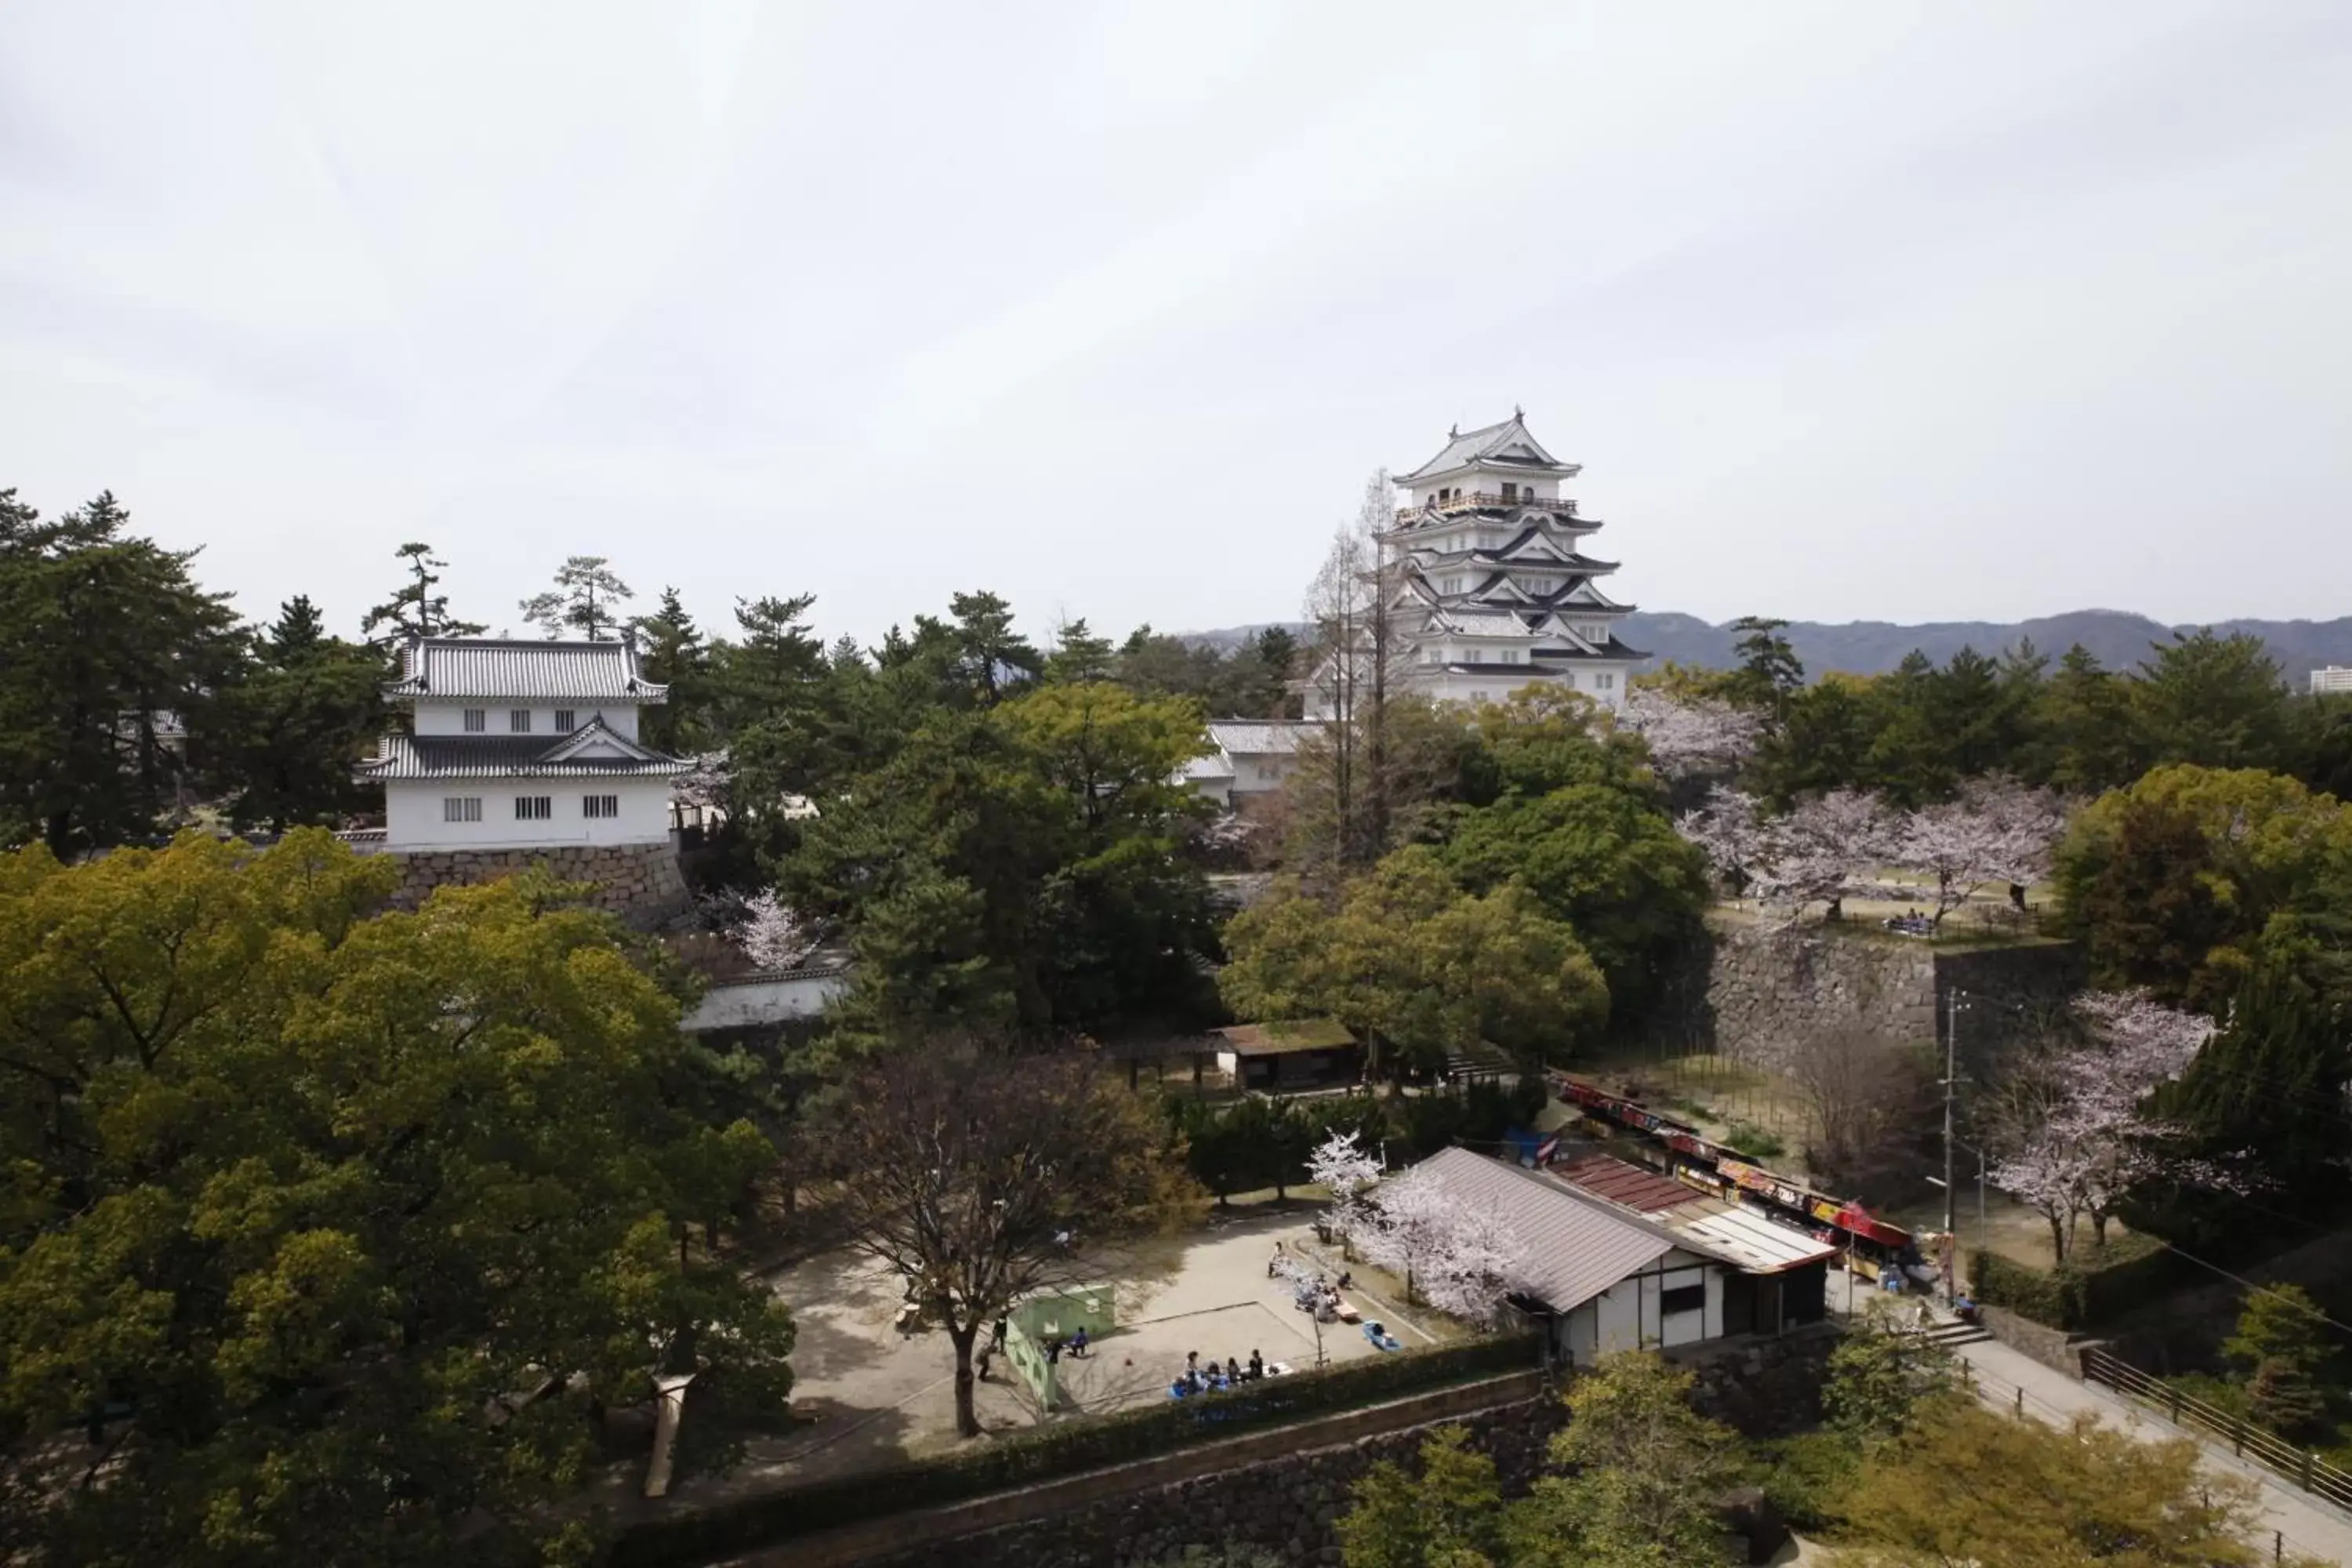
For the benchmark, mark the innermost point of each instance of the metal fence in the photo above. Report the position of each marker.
(2300, 1467)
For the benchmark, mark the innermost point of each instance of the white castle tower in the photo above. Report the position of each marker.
(1495, 591)
(1488, 589)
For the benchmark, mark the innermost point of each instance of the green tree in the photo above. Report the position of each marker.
(586, 599)
(2213, 701)
(286, 729)
(1824, 741)
(2088, 733)
(347, 1221)
(1450, 1515)
(672, 652)
(1267, 687)
(1023, 866)
(1768, 668)
(2174, 882)
(1879, 1374)
(103, 637)
(1417, 967)
(1645, 1472)
(1606, 861)
(1079, 654)
(990, 655)
(1910, 755)
(414, 610)
(1966, 1485)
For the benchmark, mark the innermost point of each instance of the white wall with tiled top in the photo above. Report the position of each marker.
(497, 718)
(417, 818)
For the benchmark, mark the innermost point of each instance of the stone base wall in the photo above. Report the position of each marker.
(1762, 1387)
(639, 882)
(1288, 1506)
(1765, 994)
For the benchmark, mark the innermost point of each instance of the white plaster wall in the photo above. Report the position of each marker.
(1686, 1326)
(412, 815)
(750, 1003)
(1714, 1304)
(1617, 1318)
(1247, 779)
(450, 717)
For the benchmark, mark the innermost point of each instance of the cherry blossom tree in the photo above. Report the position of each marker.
(770, 935)
(1340, 1165)
(1690, 738)
(2072, 1131)
(1995, 830)
(1459, 1258)
(1811, 853)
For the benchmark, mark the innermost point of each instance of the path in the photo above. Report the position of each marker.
(2309, 1525)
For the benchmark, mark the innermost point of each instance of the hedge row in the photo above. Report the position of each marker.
(2092, 1287)
(1059, 1449)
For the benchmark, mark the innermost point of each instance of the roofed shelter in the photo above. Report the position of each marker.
(1613, 1278)
(1301, 1053)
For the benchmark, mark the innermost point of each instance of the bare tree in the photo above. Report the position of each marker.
(1352, 671)
(980, 1174)
(1860, 1091)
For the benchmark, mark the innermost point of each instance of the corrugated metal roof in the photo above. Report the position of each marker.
(1761, 1245)
(512, 669)
(1577, 1245)
(1260, 738)
(1623, 1181)
(501, 757)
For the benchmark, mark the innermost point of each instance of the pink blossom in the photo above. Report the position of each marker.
(1696, 737)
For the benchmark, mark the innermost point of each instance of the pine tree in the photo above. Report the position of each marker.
(414, 610)
(586, 598)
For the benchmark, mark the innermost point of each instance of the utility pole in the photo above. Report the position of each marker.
(1952, 1004)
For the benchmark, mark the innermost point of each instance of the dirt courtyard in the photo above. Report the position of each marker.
(866, 1396)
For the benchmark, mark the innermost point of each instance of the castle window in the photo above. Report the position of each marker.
(461, 808)
(534, 808)
(1510, 493)
(566, 720)
(518, 721)
(476, 721)
(600, 806)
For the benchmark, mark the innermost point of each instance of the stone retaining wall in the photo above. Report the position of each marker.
(639, 882)
(1762, 1387)
(1281, 1500)
(1767, 993)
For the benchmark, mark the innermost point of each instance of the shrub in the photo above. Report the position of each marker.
(2095, 1285)
(1806, 1476)
(1060, 1449)
(1753, 1141)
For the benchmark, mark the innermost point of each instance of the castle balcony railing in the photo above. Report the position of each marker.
(1478, 499)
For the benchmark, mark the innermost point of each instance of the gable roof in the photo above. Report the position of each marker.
(1506, 443)
(592, 751)
(1282, 1038)
(1261, 737)
(512, 668)
(1577, 1245)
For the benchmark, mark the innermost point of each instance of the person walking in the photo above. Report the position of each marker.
(996, 1342)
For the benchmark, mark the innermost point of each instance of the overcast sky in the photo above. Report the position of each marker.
(1854, 310)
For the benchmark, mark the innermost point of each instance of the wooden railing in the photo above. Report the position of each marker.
(2300, 1467)
(1476, 499)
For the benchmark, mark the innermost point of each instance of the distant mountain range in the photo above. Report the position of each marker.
(2119, 639)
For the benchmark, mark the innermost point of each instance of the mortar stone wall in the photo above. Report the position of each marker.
(639, 882)
(1288, 1506)
(1767, 993)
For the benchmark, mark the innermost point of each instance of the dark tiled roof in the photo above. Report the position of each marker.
(1485, 445)
(506, 757)
(507, 669)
